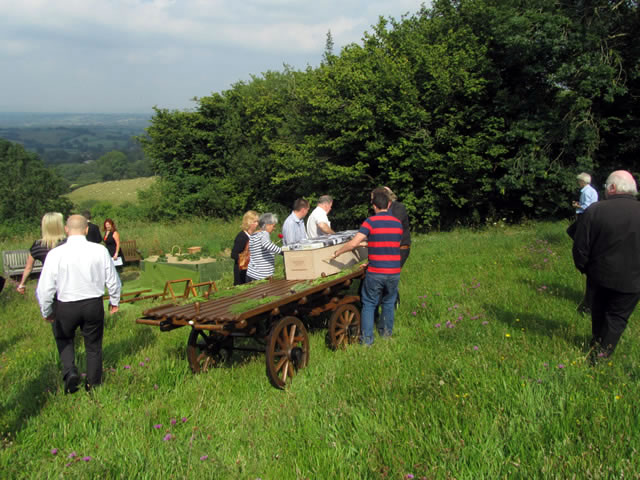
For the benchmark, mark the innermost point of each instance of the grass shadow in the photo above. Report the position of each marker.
(31, 398)
(114, 351)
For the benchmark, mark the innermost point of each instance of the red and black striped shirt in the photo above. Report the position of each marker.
(384, 232)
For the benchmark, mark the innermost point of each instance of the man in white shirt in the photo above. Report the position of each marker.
(70, 292)
(293, 230)
(318, 223)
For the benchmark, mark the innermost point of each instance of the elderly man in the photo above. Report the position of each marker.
(606, 247)
(383, 233)
(293, 230)
(70, 292)
(318, 223)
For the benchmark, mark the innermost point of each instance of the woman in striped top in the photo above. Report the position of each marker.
(52, 236)
(262, 250)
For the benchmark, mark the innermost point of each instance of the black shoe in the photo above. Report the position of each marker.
(72, 383)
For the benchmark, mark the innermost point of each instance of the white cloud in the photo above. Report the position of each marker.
(181, 48)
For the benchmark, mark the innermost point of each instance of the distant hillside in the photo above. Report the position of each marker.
(115, 192)
(73, 138)
(24, 120)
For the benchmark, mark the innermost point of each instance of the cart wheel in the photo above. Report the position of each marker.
(344, 326)
(287, 351)
(205, 351)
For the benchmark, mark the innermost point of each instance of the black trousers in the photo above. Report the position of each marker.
(609, 315)
(89, 316)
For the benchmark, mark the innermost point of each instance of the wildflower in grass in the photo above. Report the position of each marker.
(54, 451)
(141, 364)
(127, 367)
(157, 426)
(67, 464)
(485, 323)
(460, 317)
(173, 421)
(508, 335)
(72, 455)
(203, 458)
(475, 317)
(424, 305)
(617, 397)
(437, 325)
(408, 476)
(561, 366)
(155, 386)
(167, 437)
(184, 419)
(545, 364)
(146, 359)
(87, 458)
(476, 348)
(414, 313)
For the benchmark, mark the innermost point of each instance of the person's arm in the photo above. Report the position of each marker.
(324, 228)
(268, 245)
(113, 284)
(238, 245)
(350, 245)
(581, 248)
(116, 237)
(46, 289)
(25, 275)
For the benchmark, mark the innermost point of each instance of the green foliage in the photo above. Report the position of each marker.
(27, 188)
(469, 110)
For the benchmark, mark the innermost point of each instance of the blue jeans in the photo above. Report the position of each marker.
(378, 289)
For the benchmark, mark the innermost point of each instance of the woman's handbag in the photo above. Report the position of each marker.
(243, 258)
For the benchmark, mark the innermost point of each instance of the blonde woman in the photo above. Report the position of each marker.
(240, 251)
(52, 236)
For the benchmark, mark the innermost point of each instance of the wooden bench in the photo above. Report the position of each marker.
(130, 251)
(15, 261)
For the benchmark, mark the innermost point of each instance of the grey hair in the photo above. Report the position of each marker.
(585, 177)
(267, 219)
(325, 199)
(624, 182)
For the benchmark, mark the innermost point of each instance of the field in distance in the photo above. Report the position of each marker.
(115, 192)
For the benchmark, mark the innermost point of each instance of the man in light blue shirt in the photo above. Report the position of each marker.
(293, 230)
(588, 194)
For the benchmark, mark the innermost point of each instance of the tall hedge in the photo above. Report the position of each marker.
(470, 110)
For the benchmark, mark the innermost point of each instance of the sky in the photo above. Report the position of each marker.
(127, 56)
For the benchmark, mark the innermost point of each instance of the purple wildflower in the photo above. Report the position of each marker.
(141, 364)
(157, 426)
(460, 317)
(184, 419)
(167, 437)
(54, 451)
(87, 458)
(72, 455)
(485, 323)
(414, 313)
(408, 476)
(173, 421)
(67, 464)
(437, 325)
(127, 367)
(561, 365)
(203, 458)
(424, 305)
(475, 347)
(545, 364)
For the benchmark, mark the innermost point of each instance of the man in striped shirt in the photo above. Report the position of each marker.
(383, 233)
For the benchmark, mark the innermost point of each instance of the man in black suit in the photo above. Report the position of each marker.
(93, 234)
(607, 248)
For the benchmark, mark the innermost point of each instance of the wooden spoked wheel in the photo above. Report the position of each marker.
(207, 350)
(344, 326)
(287, 351)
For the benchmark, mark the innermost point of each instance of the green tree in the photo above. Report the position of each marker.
(27, 188)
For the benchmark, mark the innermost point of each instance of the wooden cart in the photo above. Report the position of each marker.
(278, 328)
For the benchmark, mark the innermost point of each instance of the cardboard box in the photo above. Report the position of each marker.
(312, 263)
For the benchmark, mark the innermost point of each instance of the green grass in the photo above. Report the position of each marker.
(484, 378)
(115, 192)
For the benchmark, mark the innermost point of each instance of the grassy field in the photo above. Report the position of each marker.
(116, 192)
(484, 377)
